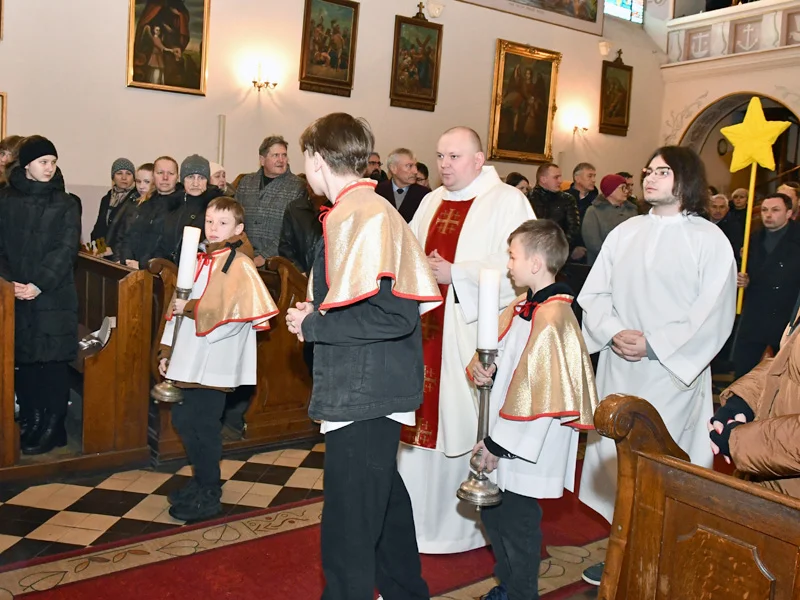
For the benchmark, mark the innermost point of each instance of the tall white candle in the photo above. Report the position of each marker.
(488, 308)
(188, 260)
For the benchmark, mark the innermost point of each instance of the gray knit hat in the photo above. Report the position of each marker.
(195, 165)
(122, 164)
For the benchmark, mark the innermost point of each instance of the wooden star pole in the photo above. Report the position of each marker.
(752, 141)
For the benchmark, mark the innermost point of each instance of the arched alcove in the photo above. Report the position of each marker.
(704, 137)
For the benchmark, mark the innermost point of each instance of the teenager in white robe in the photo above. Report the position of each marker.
(658, 305)
(445, 524)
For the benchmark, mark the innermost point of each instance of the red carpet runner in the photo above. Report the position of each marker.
(287, 565)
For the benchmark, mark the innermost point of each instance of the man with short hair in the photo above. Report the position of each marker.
(641, 206)
(265, 194)
(549, 202)
(772, 283)
(373, 170)
(463, 227)
(719, 214)
(422, 175)
(584, 190)
(658, 305)
(402, 189)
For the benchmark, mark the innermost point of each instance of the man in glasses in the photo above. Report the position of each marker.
(658, 305)
(374, 165)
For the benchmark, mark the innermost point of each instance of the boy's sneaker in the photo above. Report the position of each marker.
(204, 505)
(498, 592)
(594, 574)
(184, 494)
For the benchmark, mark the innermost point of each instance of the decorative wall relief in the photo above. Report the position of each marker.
(675, 121)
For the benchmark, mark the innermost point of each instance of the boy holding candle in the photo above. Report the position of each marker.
(543, 393)
(215, 350)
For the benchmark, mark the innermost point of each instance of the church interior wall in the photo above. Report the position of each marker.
(63, 66)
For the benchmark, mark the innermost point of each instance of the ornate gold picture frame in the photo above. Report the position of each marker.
(3, 111)
(583, 15)
(523, 103)
(168, 45)
(416, 59)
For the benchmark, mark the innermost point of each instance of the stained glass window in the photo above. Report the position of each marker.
(630, 10)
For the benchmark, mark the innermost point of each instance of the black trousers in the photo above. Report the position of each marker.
(43, 386)
(368, 536)
(747, 354)
(198, 422)
(514, 528)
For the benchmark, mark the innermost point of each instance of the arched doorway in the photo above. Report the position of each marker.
(704, 137)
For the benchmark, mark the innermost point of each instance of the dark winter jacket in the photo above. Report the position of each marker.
(559, 207)
(118, 227)
(300, 232)
(583, 205)
(367, 356)
(40, 231)
(147, 224)
(190, 211)
(107, 213)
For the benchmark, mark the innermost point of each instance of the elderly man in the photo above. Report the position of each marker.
(463, 226)
(402, 189)
(584, 190)
(265, 194)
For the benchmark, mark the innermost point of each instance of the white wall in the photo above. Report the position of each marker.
(63, 67)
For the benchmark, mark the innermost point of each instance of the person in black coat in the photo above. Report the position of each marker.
(772, 283)
(189, 210)
(301, 231)
(122, 174)
(147, 223)
(40, 228)
(549, 202)
(401, 189)
(118, 228)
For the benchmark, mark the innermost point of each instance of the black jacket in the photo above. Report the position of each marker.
(367, 356)
(189, 211)
(146, 226)
(559, 207)
(118, 227)
(583, 205)
(414, 195)
(773, 289)
(106, 214)
(300, 233)
(730, 226)
(40, 231)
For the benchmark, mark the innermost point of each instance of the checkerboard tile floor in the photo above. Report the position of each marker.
(43, 520)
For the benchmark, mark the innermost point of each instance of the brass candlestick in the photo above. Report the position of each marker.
(166, 391)
(477, 489)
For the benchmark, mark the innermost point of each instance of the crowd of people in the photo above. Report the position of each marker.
(392, 323)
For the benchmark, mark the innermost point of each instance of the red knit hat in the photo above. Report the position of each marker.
(609, 183)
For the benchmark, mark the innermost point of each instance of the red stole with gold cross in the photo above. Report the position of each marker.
(443, 234)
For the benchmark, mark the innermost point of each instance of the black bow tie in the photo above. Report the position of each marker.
(400, 190)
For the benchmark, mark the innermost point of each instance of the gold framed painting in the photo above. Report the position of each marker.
(523, 103)
(615, 96)
(3, 110)
(583, 15)
(168, 45)
(327, 57)
(416, 59)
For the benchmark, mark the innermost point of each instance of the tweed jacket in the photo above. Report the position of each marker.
(264, 207)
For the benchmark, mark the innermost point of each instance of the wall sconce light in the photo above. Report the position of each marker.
(434, 9)
(578, 130)
(605, 48)
(259, 84)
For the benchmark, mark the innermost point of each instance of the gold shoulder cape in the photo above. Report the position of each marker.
(366, 239)
(554, 377)
(239, 295)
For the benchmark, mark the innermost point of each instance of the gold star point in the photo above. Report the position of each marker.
(753, 138)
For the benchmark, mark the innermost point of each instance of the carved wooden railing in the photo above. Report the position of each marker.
(9, 436)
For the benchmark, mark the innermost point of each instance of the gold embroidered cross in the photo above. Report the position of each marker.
(424, 435)
(430, 327)
(430, 379)
(448, 223)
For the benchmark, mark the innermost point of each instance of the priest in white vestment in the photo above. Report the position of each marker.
(658, 305)
(471, 215)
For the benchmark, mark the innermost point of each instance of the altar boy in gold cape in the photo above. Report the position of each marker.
(543, 394)
(369, 283)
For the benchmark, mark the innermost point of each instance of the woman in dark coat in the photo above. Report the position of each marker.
(40, 228)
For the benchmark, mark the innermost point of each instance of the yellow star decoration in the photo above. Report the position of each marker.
(753, 138)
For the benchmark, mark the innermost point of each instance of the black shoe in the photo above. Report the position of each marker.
(185, 494)
(204, 505)
(498, 592)
(53, 435)
(592, 575)
(30, 426)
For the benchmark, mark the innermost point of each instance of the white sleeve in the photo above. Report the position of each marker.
(600, 319)
(166, 338)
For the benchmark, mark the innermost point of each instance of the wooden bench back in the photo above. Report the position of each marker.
(9, 442)
(681, 531)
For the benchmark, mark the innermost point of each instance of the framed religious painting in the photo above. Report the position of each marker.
(416, 60)
(3, 109)
(583, 15)
(168, 45)
(615, 96)
(327, 58)
(523, 103)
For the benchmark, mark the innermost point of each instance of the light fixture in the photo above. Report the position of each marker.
(605, 48)
(259, 84)
(434, 9)
(578, 130)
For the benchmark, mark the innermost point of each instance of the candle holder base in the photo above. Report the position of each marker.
(166, 392)
(480, 491)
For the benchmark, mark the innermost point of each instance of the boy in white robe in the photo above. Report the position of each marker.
(215, 351)
(543, 393)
